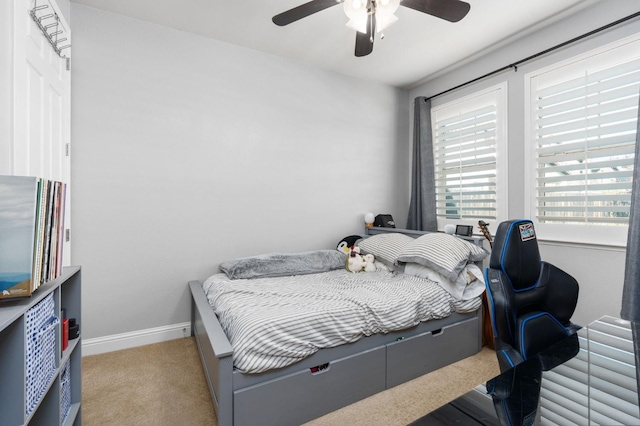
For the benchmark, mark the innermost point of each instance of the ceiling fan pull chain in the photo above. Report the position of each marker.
(372, 12)
(371, 28)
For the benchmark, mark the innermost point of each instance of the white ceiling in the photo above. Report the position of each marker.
(414, 48)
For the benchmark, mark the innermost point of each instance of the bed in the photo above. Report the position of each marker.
(323, 374)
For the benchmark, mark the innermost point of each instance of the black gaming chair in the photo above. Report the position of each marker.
(516, 392)
(531, 301)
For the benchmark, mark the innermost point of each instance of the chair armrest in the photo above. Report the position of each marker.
(561, 292)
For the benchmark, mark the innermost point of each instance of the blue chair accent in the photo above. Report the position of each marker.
(531, 301)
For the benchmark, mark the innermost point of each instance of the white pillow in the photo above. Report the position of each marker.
(385, 247)
(444, 253)
(468, 285)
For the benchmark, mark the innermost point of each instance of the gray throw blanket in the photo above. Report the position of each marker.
(283, 264)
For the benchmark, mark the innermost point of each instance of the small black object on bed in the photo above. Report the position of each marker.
(384, 221)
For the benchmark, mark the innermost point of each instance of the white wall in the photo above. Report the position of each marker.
(188, 151)
(6, 87)
(65, 9)
(599, 270)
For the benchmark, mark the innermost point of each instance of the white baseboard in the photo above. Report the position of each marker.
(116, 342)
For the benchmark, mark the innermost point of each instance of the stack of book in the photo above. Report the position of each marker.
(31, 233)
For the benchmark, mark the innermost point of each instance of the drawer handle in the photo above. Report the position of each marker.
(320, 368)
(437, 332)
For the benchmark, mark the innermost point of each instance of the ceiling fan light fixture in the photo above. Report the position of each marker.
(359, 25)
(383, 10)
(387, 7)
(385, 13)
(356, 11)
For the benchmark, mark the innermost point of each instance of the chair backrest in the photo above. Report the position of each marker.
(531, 301)
(515, 252)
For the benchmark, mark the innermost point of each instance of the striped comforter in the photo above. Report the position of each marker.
(275, 322)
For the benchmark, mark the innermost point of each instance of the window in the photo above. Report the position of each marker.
(468, 139)
(581, 143)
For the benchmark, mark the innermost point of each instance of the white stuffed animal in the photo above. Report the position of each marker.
(369, 263)
(355, 262)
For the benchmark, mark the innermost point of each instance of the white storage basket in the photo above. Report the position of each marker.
(41, 350)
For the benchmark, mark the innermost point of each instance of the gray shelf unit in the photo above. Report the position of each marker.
(66, 294)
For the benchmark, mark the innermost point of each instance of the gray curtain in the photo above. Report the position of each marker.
(631, 291)
(422, 209)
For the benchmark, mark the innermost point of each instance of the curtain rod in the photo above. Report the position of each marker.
(544, 52)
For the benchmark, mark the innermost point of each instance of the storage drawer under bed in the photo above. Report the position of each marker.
(308, 394)
(414, 356)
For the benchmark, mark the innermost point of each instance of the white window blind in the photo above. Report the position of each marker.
(564, 391)
(582, 134)
(466, 140)
(598, 386)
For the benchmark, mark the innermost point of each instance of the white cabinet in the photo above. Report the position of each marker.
(65, 384)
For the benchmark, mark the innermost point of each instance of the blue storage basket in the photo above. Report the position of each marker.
(41, 325)
(65, 391)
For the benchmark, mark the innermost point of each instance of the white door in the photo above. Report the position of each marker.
(41, 96)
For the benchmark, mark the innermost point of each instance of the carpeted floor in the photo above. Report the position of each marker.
(163, 384)
(159, 384)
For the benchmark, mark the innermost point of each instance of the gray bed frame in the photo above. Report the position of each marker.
(331, 378)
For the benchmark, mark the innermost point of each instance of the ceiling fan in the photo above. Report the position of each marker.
(370, 16)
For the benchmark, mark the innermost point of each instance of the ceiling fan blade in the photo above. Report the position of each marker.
(364, 42)
(450, 10)
(302, 11)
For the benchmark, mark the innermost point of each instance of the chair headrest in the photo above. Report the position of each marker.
(515, 252)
